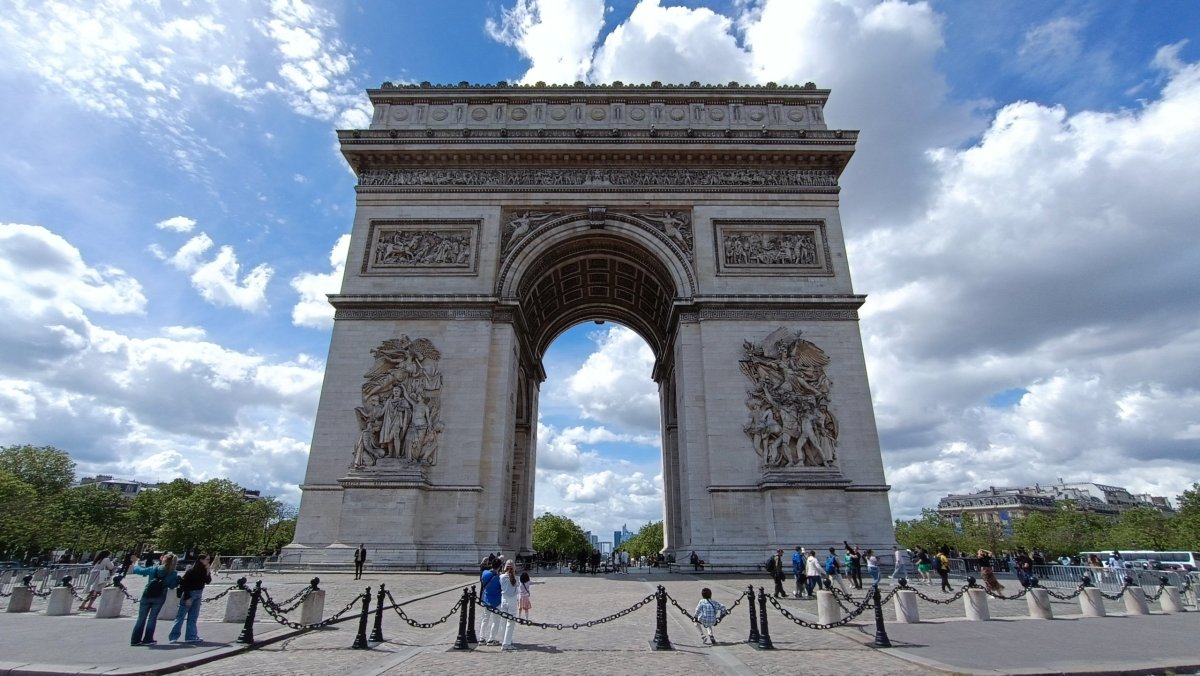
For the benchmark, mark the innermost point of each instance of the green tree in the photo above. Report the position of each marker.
(1141, 528)
(20, 517)
(930, 531)
(88, 517)
(979, 534)
(1185, 525)
(557, 536)
(647, 542)
(45, 468)
(211, 517)
(1066, 531)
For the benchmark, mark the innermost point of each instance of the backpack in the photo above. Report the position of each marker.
(156, 588)
(771, 565)
(938, 566)
(831, 565)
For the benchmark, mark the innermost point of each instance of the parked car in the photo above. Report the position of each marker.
(9, 565)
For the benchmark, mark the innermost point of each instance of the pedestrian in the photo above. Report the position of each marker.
(360, 559)
(923, 565)
(489, 586)
(854, 561)
(812, 572)
(984, 557)
(524, 603)
(162, 577)
(102, 570)
(191, 592)
(775, 568)
(708, 612)
(833, 569)
(509, 590)
(798, 569)
(942, 566)
(873, 566)
(900, 563)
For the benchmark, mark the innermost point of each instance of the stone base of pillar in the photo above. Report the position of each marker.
(111, 601)
(905, 603)
(1171, 600)
(976, 606)
(827, 608)
(61, 602)
(237, 606)
(170, 607)
(1135, 601)
(21, 600)
(1038, 601)
(313, 607)
(1091, 603)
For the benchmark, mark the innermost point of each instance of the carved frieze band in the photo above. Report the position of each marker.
(413, 313)
(772, 247)
(767, 314)
(675, 224)
(425, 246)
(599, 178)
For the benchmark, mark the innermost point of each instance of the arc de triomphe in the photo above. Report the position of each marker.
(490, 219)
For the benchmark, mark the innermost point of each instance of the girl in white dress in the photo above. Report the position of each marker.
(509, 586)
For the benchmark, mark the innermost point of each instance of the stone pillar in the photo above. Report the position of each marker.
(237, 605)
(21, 600)
(976, 605)
(1135, 601)
(313, 607)
(827, 608)
(1171, 600)
(1039, 604)
(111, 601)
(1192, 597)
(905, 602)
(170, 607)
(1092, 603)
(60, 602)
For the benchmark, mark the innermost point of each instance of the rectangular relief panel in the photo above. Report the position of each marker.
(794, 247)
(422, 246)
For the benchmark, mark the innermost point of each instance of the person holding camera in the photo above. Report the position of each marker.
(162, 577)
(190, 591)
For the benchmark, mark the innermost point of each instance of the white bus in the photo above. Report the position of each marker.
(1141, 559)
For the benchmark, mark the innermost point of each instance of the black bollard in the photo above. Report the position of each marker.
(314, 582)
(377, 630)
(764, 636)
(461, 643)
(360, 639)
(753, 637)
(241, 583)
(971, 582)
(247, 635)
(903, 583)
(881, 637)
(661, 640)
(471, 637)
(1085, 581)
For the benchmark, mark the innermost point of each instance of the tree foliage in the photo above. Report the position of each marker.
(45, 468)
(557, 536)
(647, 542)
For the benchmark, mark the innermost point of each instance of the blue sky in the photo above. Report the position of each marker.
(1020, 212)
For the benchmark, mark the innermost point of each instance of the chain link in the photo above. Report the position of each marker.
(279, 607)
(421, 625)
(575, 625)
(692, 618)
(125, 591)
(327, 621)
(1114, 597)
(218, 597)
(1064, 597)
(942, 602)
(1014, 597)
(1158, 594)
(813, 625)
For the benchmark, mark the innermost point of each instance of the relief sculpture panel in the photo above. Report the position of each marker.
(790, 421)
(399, 247)
(400, 416)
(771, 248)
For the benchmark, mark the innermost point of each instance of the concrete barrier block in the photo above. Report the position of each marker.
(61, 602)
(1038, 601)
(827, 608)
(170, 607)
(313, 607)
(237, 606)
(21, 600)
(905, 603)
(976, 605)
(112, 600)
(1135, 601)
(1091, 603)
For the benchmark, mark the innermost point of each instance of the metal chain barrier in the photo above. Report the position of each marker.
(1064, 597)
(1002, 597)
(421, 625)
(692, 618)
(943, 602)
(576, 625)
(1117, 596)
(327, 621)
(282, 608)
(1157, 594)
(218, 597)
(813, 625)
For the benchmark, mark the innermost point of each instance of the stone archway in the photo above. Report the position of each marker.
(491, 219)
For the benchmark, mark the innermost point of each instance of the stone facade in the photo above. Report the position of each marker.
(492, 218)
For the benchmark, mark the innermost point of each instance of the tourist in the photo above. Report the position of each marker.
(984, 558)
(798, 569)
(102, 570)
(162, 577)
(873, 566)
(812, 571)
(708, 612)
(489, 586)
(1024, 566)
(942, 566)
(509, 589)
(775, 568)
(360, 559)
(854, 561)
(191, 592)
(833, 570)
(923, 565)
(524, 603)
(900, 563)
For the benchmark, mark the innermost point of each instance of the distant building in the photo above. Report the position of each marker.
(620, 536)
(1002, 505)
(128, 488)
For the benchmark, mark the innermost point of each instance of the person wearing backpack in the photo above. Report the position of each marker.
(775, 568)
(941, 564)
(162, 577)
(489, 594)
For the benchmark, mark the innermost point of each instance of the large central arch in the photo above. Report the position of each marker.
(492, 219)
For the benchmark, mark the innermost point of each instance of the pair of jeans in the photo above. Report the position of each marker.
(874, 574)
(147, 619)
(189, 609)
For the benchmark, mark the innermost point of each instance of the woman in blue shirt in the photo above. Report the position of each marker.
(161, 578)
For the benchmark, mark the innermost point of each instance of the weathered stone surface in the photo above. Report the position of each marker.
(490, 219)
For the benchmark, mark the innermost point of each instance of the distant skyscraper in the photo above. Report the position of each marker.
(617, 539)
